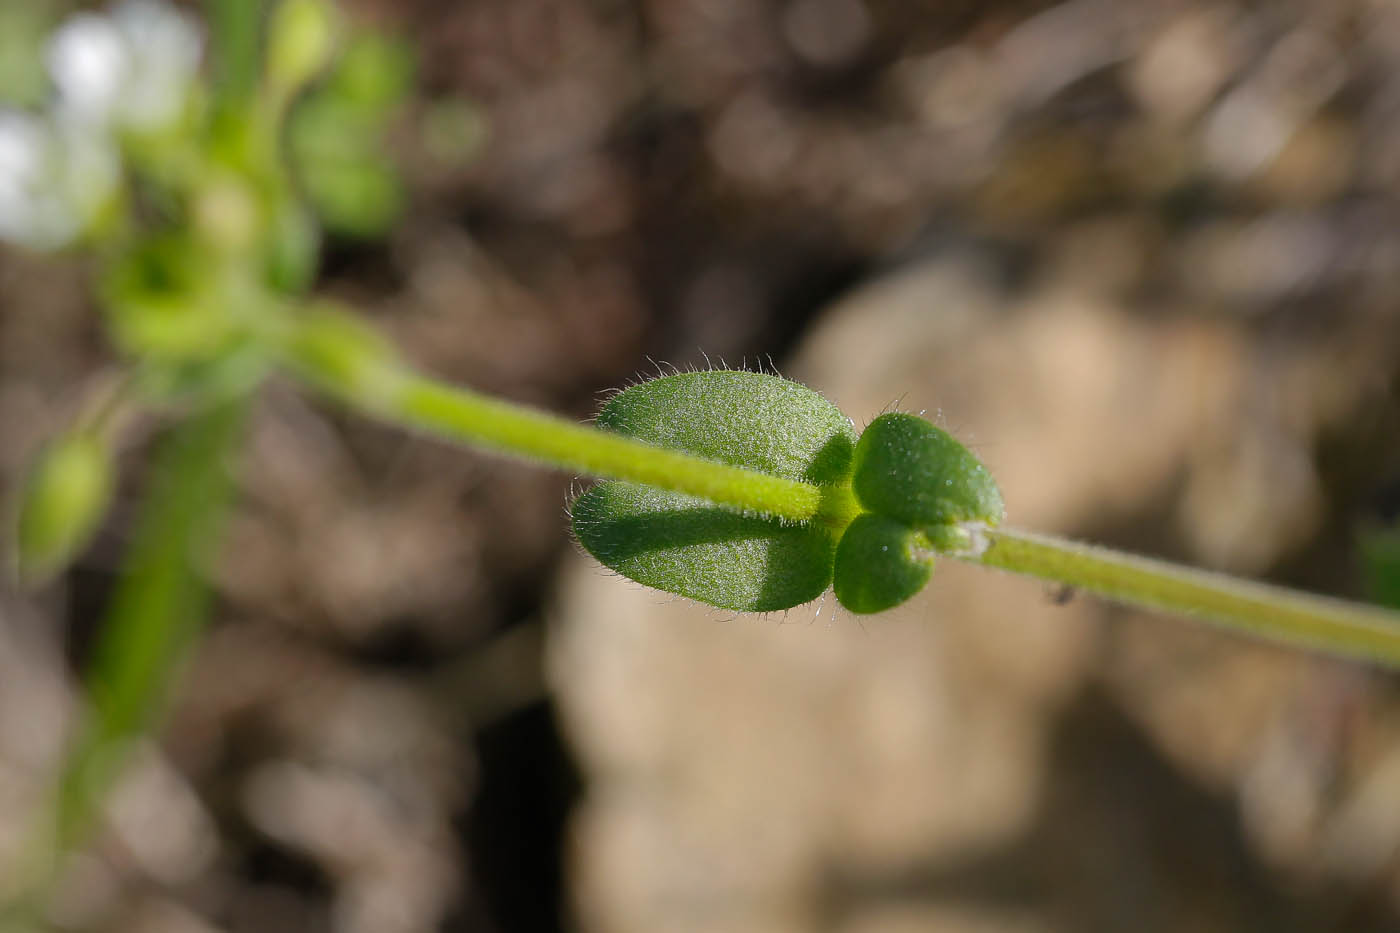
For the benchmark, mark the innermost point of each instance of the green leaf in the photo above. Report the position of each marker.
(907, 469)
(745, 419)
(356, 199)
(336, 148)
(375, 73)
(685, 545)
(880, 563)
(689, 546)
(1380, 553)
(336, 138)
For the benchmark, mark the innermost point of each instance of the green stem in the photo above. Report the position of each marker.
(352, 364)
(153, 616)
(234, 27)
(1318, 622)
(515, 429)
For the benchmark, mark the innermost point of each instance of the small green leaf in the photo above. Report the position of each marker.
(908, 469)
(689, 546)
(336, 138)
(880, 563)
(336, 147)
(356, 198)
(375, 73)
(64, 499)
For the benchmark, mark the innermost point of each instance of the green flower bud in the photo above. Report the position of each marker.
(63, 501)
(880, 563)
(906, 468)
(301, 38)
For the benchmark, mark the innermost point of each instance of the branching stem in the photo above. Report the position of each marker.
(412, 400)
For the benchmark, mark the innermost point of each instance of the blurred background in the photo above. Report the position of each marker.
(1143, 258)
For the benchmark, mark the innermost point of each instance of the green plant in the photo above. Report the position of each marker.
(202, 206)
(749, 492)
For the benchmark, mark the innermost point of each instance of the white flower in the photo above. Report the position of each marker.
(54, 179)
(89, 60)
(165, 50)
(132, 69)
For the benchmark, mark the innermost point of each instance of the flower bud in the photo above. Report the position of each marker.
(301, 38)
(64, 499)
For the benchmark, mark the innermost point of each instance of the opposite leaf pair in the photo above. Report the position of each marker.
(893, 497)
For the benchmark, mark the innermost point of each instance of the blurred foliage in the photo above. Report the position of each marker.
(181, 193)
(68, 491)
(181, 190)
(1380, 553)
(746, 163)
(22, 29)
(336, 137)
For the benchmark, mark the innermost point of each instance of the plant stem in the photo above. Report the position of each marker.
(464, 415)
(159, 603)
(234, 28)
(153, 616)
(1303, 619)
(352, 365)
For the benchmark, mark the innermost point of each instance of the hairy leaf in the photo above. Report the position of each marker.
(745, 419)
(908, 469)
(880, 563)
(689, 546)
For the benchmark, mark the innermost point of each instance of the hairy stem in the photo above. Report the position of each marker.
(458, 414)
(1318, 622)
(352, 364)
